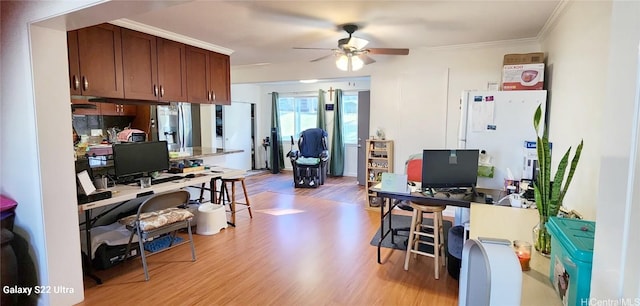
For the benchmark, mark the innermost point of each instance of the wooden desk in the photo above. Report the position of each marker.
(516, 224)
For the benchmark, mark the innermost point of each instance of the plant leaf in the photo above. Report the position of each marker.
(572, 170)
(554, 204)
(536, 118)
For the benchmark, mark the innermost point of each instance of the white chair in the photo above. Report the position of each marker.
(159, 215)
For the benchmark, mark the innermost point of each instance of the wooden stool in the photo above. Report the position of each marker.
(435, 231)
(232, 203)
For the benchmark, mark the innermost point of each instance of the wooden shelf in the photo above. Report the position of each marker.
(379, 160)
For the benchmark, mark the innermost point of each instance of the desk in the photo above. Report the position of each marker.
(516, 224)
(416, 197)
(123, 193)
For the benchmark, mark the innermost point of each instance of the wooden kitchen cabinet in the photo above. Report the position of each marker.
(220, 82)
(95, 61)
(172, 70)
(140, 66)
(198, 75)
(113, 109)
(154, 68)
(207, 77)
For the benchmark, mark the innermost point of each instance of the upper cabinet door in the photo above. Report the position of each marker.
(140, 66)
(220, 79)
(172, 70)
(198, 90)
(100, 61)
(74, 63)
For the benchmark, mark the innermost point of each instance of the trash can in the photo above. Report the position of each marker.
(571, 258)
(211, 219)
(455, 242)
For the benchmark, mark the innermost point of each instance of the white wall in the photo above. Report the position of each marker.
(36, 155)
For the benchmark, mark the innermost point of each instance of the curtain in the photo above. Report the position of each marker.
(321, 111)
(336, 162)
(275, 124)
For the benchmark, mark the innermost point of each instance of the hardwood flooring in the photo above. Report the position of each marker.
(302, 247)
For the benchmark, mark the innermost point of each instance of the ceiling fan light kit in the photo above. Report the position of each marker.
(352, 55)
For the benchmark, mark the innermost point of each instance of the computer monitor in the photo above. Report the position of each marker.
(135, 159)
(449, 168)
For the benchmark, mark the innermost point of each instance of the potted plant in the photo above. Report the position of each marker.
(549, 193)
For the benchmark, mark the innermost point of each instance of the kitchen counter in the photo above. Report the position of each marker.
(199, 152)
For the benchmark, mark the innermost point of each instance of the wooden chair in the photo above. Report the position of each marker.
(159, 215)
(435, 232)
(224, 191)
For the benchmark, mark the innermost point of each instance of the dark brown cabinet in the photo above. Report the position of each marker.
(140, 66)
(95, 61)
(82, 107)
(220, 78)
(172, 70)
(207, 77)
(112, 109)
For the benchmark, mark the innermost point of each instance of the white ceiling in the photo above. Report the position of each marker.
(262, 32)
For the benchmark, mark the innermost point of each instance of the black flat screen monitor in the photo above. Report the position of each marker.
(138, 158)
(449, 168)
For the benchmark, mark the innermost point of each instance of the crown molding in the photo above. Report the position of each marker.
(482, 44)
(137, 26)
(553, 19)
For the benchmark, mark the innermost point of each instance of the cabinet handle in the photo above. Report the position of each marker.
(85, 83)
(155, 90)
(213, 92)
(76, 82)
(161, 91)
(208, 95)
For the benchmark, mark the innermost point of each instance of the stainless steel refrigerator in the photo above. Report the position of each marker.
(178, 123)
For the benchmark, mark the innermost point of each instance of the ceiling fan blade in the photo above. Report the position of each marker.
(313, 48)
(388, 51)
(366, 59)
(357, 43)
(321, 58)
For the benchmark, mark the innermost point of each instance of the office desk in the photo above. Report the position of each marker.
(388, 198)
(516, 224)
(123, 193)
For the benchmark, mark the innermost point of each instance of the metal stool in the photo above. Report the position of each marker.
(435, 232)
(232, 202)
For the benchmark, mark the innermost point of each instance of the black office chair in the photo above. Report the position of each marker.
(159, 215)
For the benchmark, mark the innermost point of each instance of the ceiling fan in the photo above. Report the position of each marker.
(351, 51)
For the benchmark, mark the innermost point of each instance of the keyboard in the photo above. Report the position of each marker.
(164, 179)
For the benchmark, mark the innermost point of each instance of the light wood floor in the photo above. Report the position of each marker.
(319, 255)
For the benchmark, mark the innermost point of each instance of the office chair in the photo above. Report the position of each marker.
(159, 215)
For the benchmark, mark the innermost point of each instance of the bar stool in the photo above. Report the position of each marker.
(435, 232)
(232, 203)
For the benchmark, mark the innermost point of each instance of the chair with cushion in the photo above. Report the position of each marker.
(157, 216)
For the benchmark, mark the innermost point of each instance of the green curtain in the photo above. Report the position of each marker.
(275, 123)
(336, 162)
(321, 111)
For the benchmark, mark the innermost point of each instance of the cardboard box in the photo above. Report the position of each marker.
(523, 77)
(527, 58)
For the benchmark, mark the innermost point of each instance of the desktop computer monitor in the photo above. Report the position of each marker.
(135, 159)
(449, 168)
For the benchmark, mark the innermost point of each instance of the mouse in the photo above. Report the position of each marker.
(191, 175)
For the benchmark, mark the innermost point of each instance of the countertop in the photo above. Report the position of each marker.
(516, 224)
(196, 152)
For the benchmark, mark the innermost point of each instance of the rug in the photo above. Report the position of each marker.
(161, 243)
(400, 239)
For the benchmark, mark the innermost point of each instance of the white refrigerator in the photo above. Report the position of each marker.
(500, 122)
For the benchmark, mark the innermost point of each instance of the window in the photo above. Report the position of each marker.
(350, 118)
(296, 115)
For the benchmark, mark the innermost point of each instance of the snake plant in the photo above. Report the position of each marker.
(550, 194)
